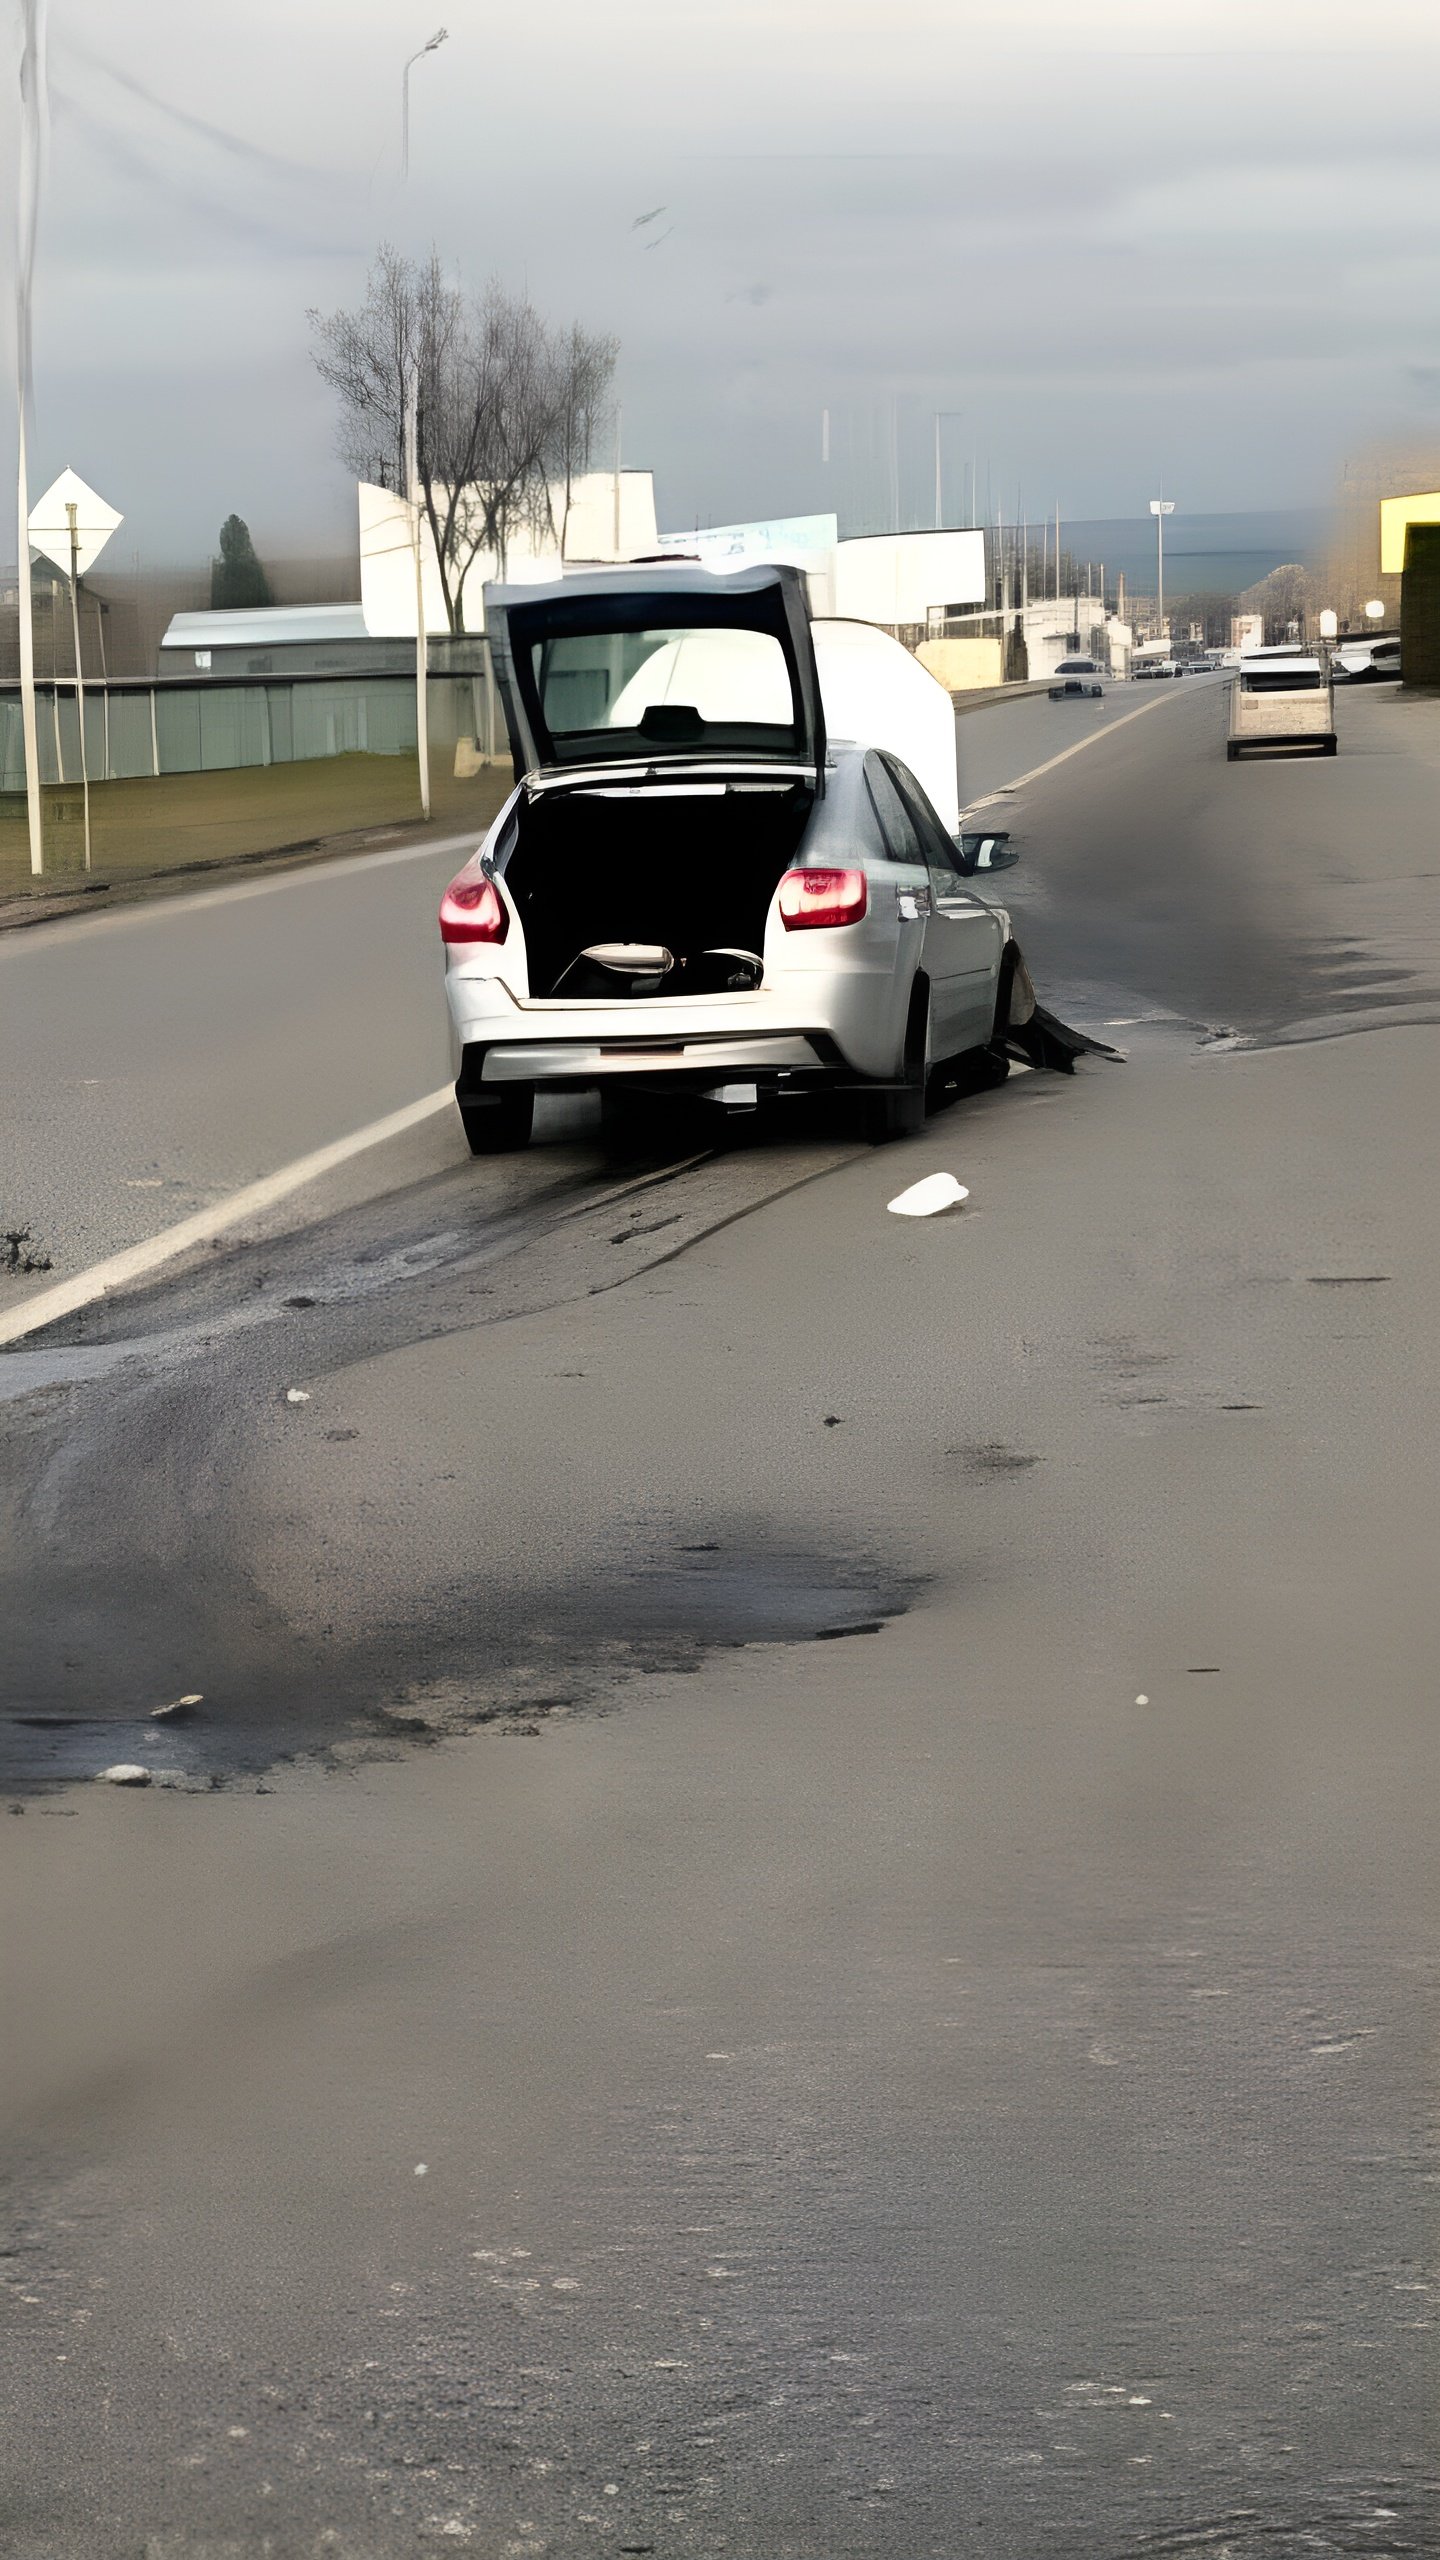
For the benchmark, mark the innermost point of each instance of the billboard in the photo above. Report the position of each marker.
(776, 538)
(895, 578)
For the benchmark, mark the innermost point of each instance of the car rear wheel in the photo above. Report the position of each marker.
(974, 1071)
(501, 1122)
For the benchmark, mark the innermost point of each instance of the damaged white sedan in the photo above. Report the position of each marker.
(692, 887)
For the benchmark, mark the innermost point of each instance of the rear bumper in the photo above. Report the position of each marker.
(561, 1066)
(845, 1013)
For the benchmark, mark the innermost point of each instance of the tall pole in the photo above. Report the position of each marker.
(71, 511)
(1160, 571)
(939, 507)
(1057, 553)
(32, 100)
(433, 46)
(412, 500)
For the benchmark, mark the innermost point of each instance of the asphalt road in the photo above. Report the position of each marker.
(1001, 740)
(158, 1059)
(922, 2039)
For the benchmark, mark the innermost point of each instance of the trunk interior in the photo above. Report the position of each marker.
(695, 874)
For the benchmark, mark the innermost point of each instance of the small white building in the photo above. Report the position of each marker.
(611, 516)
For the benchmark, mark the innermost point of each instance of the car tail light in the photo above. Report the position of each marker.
(821, 897)
(472, 910)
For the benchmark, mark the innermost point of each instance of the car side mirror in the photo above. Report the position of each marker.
(986, 853)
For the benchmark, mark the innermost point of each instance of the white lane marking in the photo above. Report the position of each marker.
(138, 1259)
(184, 902)
(1108, 731)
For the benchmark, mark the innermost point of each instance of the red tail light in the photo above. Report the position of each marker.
(821, 897)
(472, 910)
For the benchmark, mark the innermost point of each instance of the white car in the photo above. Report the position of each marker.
(1156, 667)
(693, 887)
(1366, 660)
(1075, 677)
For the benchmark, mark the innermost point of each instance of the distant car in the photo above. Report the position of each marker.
(1366, 660)
(1227, 660)
(694, 887)
(1077, 677)
(1156, 667)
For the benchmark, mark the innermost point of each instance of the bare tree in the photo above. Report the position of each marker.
(586, 366)
(505, 408)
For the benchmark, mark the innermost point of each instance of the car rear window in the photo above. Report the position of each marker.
(667, 686)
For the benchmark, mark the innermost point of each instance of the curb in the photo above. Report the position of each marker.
(137, 888)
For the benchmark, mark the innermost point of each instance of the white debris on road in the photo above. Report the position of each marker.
(297, 1395)
(926, 1199)
(126, 1773)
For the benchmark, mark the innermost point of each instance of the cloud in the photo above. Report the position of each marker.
(1101, 239)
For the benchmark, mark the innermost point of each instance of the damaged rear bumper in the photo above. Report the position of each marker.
(701, 1062)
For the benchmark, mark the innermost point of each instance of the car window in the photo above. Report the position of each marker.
(937, 851)
(898, 827)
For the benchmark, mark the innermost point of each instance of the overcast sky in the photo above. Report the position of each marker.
(1124, 238)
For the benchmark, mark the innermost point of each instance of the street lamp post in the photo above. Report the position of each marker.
(433, 46)
(32, 111)
(1160, 508)
(412, 474)
(413, 505)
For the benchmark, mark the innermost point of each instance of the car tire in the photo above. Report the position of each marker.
(1332, 746)
(898, 1110)
(498, 1126)
(1232, 752)
(974, 1071)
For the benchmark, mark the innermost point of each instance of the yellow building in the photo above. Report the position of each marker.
(1396, 517)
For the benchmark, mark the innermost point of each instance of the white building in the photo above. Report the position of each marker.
(611, 516)
(901, 581)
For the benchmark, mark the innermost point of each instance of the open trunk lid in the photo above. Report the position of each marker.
(658, 664)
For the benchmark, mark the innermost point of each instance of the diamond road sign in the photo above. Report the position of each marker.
(50, 523)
